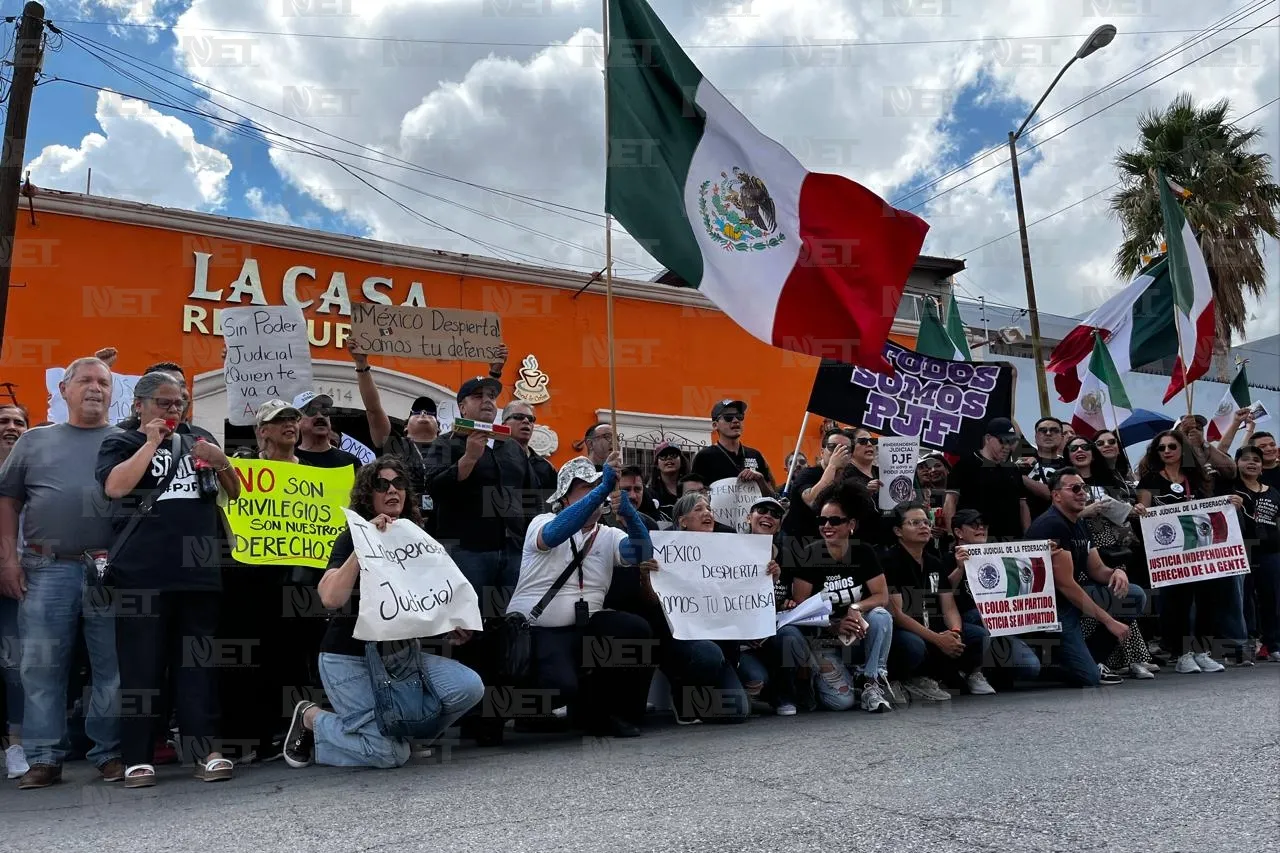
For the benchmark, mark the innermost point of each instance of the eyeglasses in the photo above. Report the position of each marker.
(1166, 448)
(382, 484)
(521, 417)
(166, 403)
(768, 509)
(916, 522)
(1105, 442)
(317, 411)
(864, 441)
(1074, 488)
(733, 416)
(832, 520)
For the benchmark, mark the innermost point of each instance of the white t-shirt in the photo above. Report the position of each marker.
(539, 569)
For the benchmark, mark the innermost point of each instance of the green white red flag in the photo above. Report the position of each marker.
(1192, 293)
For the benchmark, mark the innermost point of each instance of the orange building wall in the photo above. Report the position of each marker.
(80, 284)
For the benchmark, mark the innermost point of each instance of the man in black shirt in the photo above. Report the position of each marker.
(1050, 457)
(729, 457)
(597, 444)
(315, 431)
(1266, 443)
(990, 483)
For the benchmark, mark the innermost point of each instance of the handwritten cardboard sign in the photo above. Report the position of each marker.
(731, 502)
(268, 358)
(442, 334)
(287, 514)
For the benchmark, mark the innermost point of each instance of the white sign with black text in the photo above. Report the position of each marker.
(731, 502)
(268, 358)
(897, 457)
(714, 586)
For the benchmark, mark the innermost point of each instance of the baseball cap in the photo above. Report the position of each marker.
(663, 447)
(578, 468)
(471, 386)
(936, 455)
(273, 409)
(1001, 428)
(767, 501)
(306, 398)
(423, 404)
(719, 408)
(966, 516)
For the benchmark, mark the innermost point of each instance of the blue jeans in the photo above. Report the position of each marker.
(1229, 598)
(776, 664)
(47, 621)
(835, 692)
(1010, 657)
(11, 662)
(348, 736)
(705, 685)
(1076, 664)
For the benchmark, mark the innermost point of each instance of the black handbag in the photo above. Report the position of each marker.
(97, 562)
(513, 634)
(405, 705)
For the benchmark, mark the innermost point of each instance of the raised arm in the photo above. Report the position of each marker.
(379, 423)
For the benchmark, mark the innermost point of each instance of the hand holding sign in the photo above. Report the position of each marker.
(897, 458)
(443, 334)
(731, 501)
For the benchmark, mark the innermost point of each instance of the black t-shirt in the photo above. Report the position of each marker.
(715, 463)
(331, 458)
(995, 489)
(470, 513)
(1071, 536)
(657, 495)
(960, 587)
(413, 454)
(178, 547)
(337, 636)
(844, 579)
(801, 520)
(1040, 472)
(1271, 476)
(1163, 491)
(915, 582)
(1258, 518)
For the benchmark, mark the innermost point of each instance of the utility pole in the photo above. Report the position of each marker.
(26, 62)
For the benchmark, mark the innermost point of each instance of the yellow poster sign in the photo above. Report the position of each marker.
(287, 514)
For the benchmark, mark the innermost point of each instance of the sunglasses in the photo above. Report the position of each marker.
(1106, 442)
(768, 509)
(1078, 447)
(832, 520)
(382, 484)
(1166, 448)
(313, 411)
(1074, 488)
(864, 441)
(732, 416)
(669, 456)
(421, 413)
(1049, 431)
(521, 417)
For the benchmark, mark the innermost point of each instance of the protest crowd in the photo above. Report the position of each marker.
(135, 635)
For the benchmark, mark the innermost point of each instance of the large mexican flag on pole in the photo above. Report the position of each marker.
(1192, 293)
(1103, 402)
(809, 262)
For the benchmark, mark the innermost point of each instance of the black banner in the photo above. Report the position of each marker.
(944, 404)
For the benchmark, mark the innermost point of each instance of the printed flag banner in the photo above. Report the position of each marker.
(1103, 403)
(942, 404)
(1193, 541)
(1236, 398)
(1012, 584)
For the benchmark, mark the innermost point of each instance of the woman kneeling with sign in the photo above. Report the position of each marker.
(353, 735)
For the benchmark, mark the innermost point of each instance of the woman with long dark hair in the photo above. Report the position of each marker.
(663, 485)
(348, 736)
(1111, 449)
(1258, 523)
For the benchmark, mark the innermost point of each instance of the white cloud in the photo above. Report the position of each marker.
(141, 154)
(264, 210)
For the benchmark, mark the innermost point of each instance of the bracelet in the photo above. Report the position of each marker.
(226, 467)
(364, 369)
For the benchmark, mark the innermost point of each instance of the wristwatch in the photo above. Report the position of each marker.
(856, 606)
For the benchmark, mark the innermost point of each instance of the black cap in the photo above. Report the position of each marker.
(966, 516)
(719, 408)
(471, 386)
(1001, 428)
(423, 404)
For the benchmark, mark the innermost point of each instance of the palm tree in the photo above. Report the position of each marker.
(1233, 201)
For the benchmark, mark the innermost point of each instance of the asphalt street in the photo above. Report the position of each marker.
(1185, 763)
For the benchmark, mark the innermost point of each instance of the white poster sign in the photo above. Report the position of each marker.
(1193, 541)
(731, 501)
(1012, 584)
(121, 396)
(409, 585)
(268, 358)
(714, 586)
(896, 457)
(358, 449)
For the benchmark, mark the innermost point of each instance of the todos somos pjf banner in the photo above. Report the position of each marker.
(287, 514)
(1012, 584)
(1193, 541)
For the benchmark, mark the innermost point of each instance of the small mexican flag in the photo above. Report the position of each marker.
(1236, 398)
(804, 261)
(1103, 402)
(1023, 576)
(1200, 530)
(1192, 293)
(940, 341)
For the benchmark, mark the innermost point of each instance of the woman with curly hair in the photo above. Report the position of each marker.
(348, 735)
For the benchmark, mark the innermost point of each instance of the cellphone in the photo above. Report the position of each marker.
(581, 613)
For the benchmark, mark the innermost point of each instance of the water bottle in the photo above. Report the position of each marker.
(206, 477)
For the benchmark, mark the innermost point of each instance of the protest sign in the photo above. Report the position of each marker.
(268, 358)
(896, 458)
(714, 586)
(409, 585)
(731, 501)
(287, 514)
(121, 396)
(358, 449)
(944, 405)
(444, 334)
(1193, 541)
(1012, 584)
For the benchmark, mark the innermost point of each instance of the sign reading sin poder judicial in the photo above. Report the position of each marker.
(444, 334)
(287, 515)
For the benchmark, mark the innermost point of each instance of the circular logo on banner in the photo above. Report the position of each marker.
(901, 489)
(989, 576)
(1165, 534)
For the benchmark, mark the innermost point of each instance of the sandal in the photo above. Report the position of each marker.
(214, 770)
(139, 776)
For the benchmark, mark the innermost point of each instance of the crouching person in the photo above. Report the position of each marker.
(596, 660)
(348, 736)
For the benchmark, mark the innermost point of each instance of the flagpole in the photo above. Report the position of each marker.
(795, 455)
(1115, 416)
(1182, 357)
(608, 243)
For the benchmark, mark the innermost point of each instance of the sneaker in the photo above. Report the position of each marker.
(686, 721)
(1187, 664)
(1141, 671)
(786, 709)
(1274, 657)
(299, 743)
(978, 684)
(1264, 654)
(892, 690)
(926, 689)
(15, 760)
(873, 700)
(1208, 664)
(1151, 665)
(1107, 676)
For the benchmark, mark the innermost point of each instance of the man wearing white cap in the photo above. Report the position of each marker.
(315, 433)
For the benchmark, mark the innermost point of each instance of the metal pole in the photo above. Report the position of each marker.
(26, 61)
(1037, 348)
(608, 244)
(791, 469)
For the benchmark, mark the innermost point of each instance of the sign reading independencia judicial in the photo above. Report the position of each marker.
(942, 404)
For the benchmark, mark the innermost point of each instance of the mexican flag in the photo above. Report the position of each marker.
(1236, 398)
(1192, 293)
(1103, 403)
(1137, 325)
(808, 262)
(940, 341)
(1023, 575)
(1200, 530)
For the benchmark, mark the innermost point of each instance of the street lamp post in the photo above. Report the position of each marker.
(1098, 39)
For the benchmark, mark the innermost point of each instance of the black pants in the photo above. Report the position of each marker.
(1177, 634)
(176, 633)
(600, 671)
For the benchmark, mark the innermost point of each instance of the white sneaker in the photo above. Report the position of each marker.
(15, 761)
(978, 684)
(1152, 665)
(1274, 657)
(892, 690)
(1208, 664)
(926, 688)
(1187, 664)
(873, 699)
(786, 709)
(1141, 670)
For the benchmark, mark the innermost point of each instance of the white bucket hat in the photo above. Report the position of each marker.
(578, 468)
